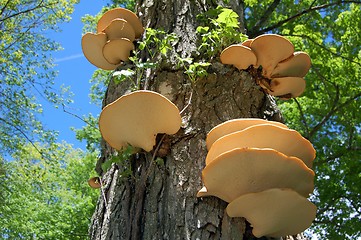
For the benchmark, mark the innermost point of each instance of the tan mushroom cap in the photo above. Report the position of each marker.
(238, 55)
(123, 13)
(287, 87)
(286, 141)
(92, 46)
(295, 66)
(117, 50)
(247, 43)
(94, 182)
(270, 49)
(274, 212)
(119, 28)
(235, 125)
(137, 118)
(245, 170)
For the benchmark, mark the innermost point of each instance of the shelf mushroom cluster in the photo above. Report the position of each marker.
(281, 68)
(263, 170)
(113, 42)
(136, 119)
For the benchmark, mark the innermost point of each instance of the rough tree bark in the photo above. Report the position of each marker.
(159, 201)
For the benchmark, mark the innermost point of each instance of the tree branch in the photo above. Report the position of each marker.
(333, 110)
(263, 19)
(325, 48)
(306, 11)
(23, 12)
(328, 115)
(24, 134)
(3, 8)
(303, 118)
(324, 80)
(80, 118)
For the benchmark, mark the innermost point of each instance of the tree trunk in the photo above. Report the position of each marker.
(159, 200)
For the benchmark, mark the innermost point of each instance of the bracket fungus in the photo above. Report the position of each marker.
(113, 42)
(286, 141)
(274, 57)
(236, 125)
(137, 118)
(120, 28)
(274, 212)
(117, 50)
(295, 66)
(94, 182)
(270, 49)
(246, 170)
(239, 55)
(121, 13)
(253, 164)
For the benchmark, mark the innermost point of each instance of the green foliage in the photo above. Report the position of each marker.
(47, 199)
(99, 81)
(194, 70)
(90, 133)
(222, 29)
(157, 41)
(129, 4)
(26, 68)
(123, 158)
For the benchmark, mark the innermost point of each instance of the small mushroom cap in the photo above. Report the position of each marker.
(274, 212)
(117, 50)
(295, 66)
(137, 118)
(92, 46)
(287, 87)
(123, 13)
(119, 28)
(235, 125)
(286, 141)
(247, 43)
(270, 49)
(94, 182)
(238, 55)
(245, 170)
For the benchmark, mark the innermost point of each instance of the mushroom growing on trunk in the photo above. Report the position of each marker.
(113, 42)
(136, 119)
(271, 59)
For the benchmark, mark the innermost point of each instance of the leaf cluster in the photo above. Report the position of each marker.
(47, 199)
(221, 30)
(26, 68)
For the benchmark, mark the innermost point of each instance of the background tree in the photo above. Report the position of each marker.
(158, 201)
(47, 199)
(26, 68)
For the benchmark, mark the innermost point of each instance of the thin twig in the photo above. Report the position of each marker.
(26, 137)
(78, 117)
(328, 115)
(303, 118)
(103, 194)
(266, 15)
(3, 8)
(324, 80)
(188, 104)
(150, 167)
(333, 110)
(23, 12)
(324, 47)
(308, 10)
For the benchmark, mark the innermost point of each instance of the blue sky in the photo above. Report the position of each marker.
(74, 71)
